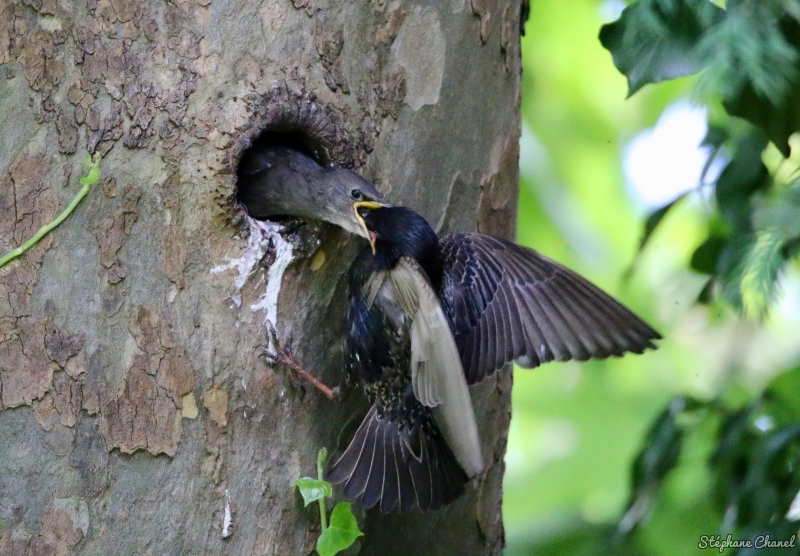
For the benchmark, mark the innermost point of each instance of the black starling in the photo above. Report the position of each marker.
(275, 180)
(429, 316)
(419, 442)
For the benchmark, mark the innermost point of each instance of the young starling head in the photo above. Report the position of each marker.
(280, 181)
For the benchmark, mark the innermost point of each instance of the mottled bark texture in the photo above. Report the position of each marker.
(133, 404)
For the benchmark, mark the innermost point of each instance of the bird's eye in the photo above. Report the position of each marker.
(356, 194)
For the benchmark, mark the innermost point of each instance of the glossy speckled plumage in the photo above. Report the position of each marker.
(501, 303)
(399, 457)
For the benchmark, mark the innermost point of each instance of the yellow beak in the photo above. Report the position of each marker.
(367, 205)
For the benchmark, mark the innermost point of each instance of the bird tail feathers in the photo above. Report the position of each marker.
(392, 465)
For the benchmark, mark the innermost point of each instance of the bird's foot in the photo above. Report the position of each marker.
(283, 355)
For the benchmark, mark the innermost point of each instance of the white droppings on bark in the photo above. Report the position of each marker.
(263, 236)
(227, 521)
(269, 301)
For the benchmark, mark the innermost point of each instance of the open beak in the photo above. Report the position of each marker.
(367, 205)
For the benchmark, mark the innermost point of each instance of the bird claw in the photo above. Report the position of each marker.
(283, 355)
(278, 353)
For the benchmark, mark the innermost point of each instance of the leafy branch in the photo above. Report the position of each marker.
(343, 529)
(750, 474)
(749, 55)
(92, 177)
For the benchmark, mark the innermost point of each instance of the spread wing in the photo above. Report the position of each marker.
(508, 303)
(436, 373)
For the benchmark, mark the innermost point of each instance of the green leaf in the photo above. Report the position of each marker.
(704, 258)
(772, 482)
(3, 523)
(650, 225)
(779, 213)
(783, 397)
(658, 457)
(341, 533)
(654, 40)
(655, 219)
(779, 123)
(716, 136)
(742, 176)
(754, 66)
(313, 489)
(706, 293)
(730, 460)
(759, 283)
(731, 266)
(662, 446)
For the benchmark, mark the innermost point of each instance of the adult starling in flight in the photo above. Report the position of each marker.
(427, 317)
(419, 442)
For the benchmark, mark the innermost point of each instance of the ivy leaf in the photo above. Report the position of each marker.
(341, 533)
(730, 461)
(779, 122)
(313, 489)
(654, 40)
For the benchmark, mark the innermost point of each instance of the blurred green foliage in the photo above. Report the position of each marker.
(648, 454)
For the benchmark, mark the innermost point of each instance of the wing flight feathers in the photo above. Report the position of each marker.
(509, 303)
(437, 376)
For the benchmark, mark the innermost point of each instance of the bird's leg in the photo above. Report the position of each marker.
(283, 355)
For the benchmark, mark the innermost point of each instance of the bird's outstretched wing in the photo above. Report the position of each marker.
(509, 303)
(436, 373)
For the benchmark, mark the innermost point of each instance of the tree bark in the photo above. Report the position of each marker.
(135, 411)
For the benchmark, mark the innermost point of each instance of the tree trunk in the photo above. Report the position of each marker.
(135, 412)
